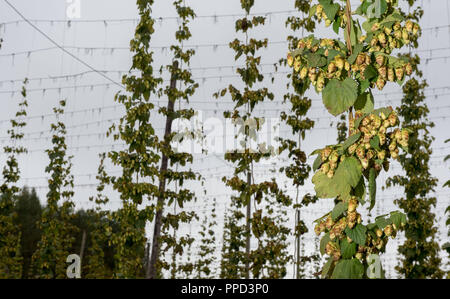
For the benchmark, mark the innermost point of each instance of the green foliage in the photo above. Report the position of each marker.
(420, 251)
(296, 118)
(446, 246)
(29, 210)
(95, 265)
(205, 264)
(339, 96)
(10, 239)
(142, 178)
(348, 269)
(49, 260)
(270, 258)
(345, 73)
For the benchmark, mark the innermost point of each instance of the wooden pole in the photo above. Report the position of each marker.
(247, 247)
(152, 269)
(348, 12)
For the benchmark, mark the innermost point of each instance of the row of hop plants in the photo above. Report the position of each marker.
(344, 72)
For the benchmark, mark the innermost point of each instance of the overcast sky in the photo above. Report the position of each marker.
(100, 37)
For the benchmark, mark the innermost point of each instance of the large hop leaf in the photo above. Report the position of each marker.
(348, 269)
(347, 176)
(339, 96)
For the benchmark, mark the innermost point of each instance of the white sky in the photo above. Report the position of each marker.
(103, 44)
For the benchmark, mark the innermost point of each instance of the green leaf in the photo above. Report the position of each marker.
(365, 102)
(356, 50)
(322, 186)
(317, 162)
(349, 171)
(339, 96)
(357, 234)
(348, 250)
(348, 269)
(347, 176)
(382, 222)
(294, 53)
(351, 140)
(336, 25)
(377, 9)
(312, 10)
(363, 85)
(397, 218)
(323, 242)
(372, 187)
(360, 191)
(331, 54)
(315, 152)
(338, 210)
(327, 267)
(375, 142)
(385, 110)
(370, 72)
(315, 60)
(329, 8)
(367, 26)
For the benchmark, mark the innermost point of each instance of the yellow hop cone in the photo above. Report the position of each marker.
(340, 63)
(383, 72)
(405, 36)
(303, 73)
(331, 67)
(409, 26)
(379, 233)
(393, 118)
(382, 38)
(360, 59)
(381, 83)
(297, 65)
(319, 9)
(381, 154)
(325, 153)
(290, 60)
(391, 75)
(352, 149)
(416, 29)
(375, 26)
(334, 157)
(380, 60)
(392, 146)
(325, 168)
(347, 66)
(352, 204)
(409, 69)
(388, 230)
(301, 44)
(364, 163)
(382, 138)
(394, 154)
(330, 174)
(399, 72)
(405, 135)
